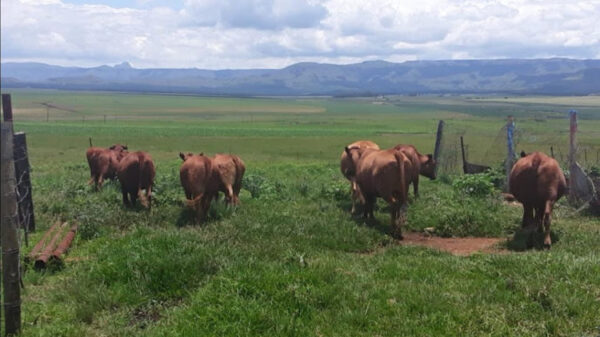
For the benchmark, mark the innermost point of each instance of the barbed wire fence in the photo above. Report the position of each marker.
(580, 160)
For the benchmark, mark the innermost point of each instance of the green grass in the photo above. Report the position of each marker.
(291, 260)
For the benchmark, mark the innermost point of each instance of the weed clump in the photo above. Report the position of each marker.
(470, 206)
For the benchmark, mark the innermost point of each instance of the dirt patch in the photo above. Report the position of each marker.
(456, 246)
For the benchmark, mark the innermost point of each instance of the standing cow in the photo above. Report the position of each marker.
(421, 164)
(537, 182)
(229, 170)
(348, 167)
(383, 174)
(104, 163)
(197, 179)
(136, 172)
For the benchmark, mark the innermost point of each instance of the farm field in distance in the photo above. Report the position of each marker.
(291, 260)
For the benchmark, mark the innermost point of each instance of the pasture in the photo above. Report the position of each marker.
(291, 260)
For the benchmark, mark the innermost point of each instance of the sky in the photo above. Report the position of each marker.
(241, 34)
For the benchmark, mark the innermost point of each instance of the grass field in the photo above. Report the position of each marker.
(291, 260)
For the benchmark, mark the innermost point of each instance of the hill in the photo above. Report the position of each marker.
(514, 76)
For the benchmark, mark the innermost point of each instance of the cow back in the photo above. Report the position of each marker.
(536, 178)
(195, 175)
(347, 165)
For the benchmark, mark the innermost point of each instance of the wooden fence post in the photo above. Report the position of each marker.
(438, 143)
(25, 201)
(9, 227)
(510, 153)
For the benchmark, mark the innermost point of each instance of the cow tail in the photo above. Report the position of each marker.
(239, 169)
(535, 163)
(194, 203)
(401, 170)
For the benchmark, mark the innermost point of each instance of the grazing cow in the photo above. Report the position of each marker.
(384, 174)
(104, 162)
(347, 165)
(421, 164)
(537, 182)
(230, 171)
(197, 178)
(136, 172)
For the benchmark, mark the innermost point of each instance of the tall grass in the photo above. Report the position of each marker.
(291, 260)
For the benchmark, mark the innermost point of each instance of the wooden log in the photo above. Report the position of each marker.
(36, 249)
(64, 245)
(42, 259)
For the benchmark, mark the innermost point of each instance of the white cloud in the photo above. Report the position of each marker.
(275, 33)
(259, 14)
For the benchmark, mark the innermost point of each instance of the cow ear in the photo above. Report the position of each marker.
(125, 147)
(523, 154)
(347, 149)
(182, 156)
(112, 147)
(429, 157)
(201, 154)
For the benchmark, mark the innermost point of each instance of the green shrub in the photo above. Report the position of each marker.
(458, 211)
(255, 184)
(481, 184)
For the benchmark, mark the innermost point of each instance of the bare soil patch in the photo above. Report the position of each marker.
(456, 246)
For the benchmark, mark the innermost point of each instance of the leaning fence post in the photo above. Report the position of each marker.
(438, 143)
(9, 227)
(572, 148)
(25, 201)
(510, 154)
(572, 137)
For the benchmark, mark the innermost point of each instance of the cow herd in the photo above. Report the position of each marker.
(202, 177)
(536, 180)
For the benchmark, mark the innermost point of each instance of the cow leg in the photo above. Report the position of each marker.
(368, 208)
(353, 197)
(400, 219)
(133, 196)
(547, 217)
(100, 182)
(539, 218)
(416, 187)
(205, 204)
(95, 182)
(395, 219)
(149, 196)
(229, 197)
(125, 200)
(527, 215)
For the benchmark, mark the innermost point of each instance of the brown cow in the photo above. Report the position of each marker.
(104, 162)
(384, 174)
(347, 165)
(229, 170)
(136, 172)
(537, 182)
(197, 178)
(421, 164)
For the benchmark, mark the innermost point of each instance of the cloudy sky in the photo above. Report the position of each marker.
(218, 34)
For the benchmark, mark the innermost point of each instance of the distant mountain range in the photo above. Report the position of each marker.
(512, 76)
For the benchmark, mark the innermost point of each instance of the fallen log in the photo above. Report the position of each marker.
(42, 259)
(64, 245)
(36, 249)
